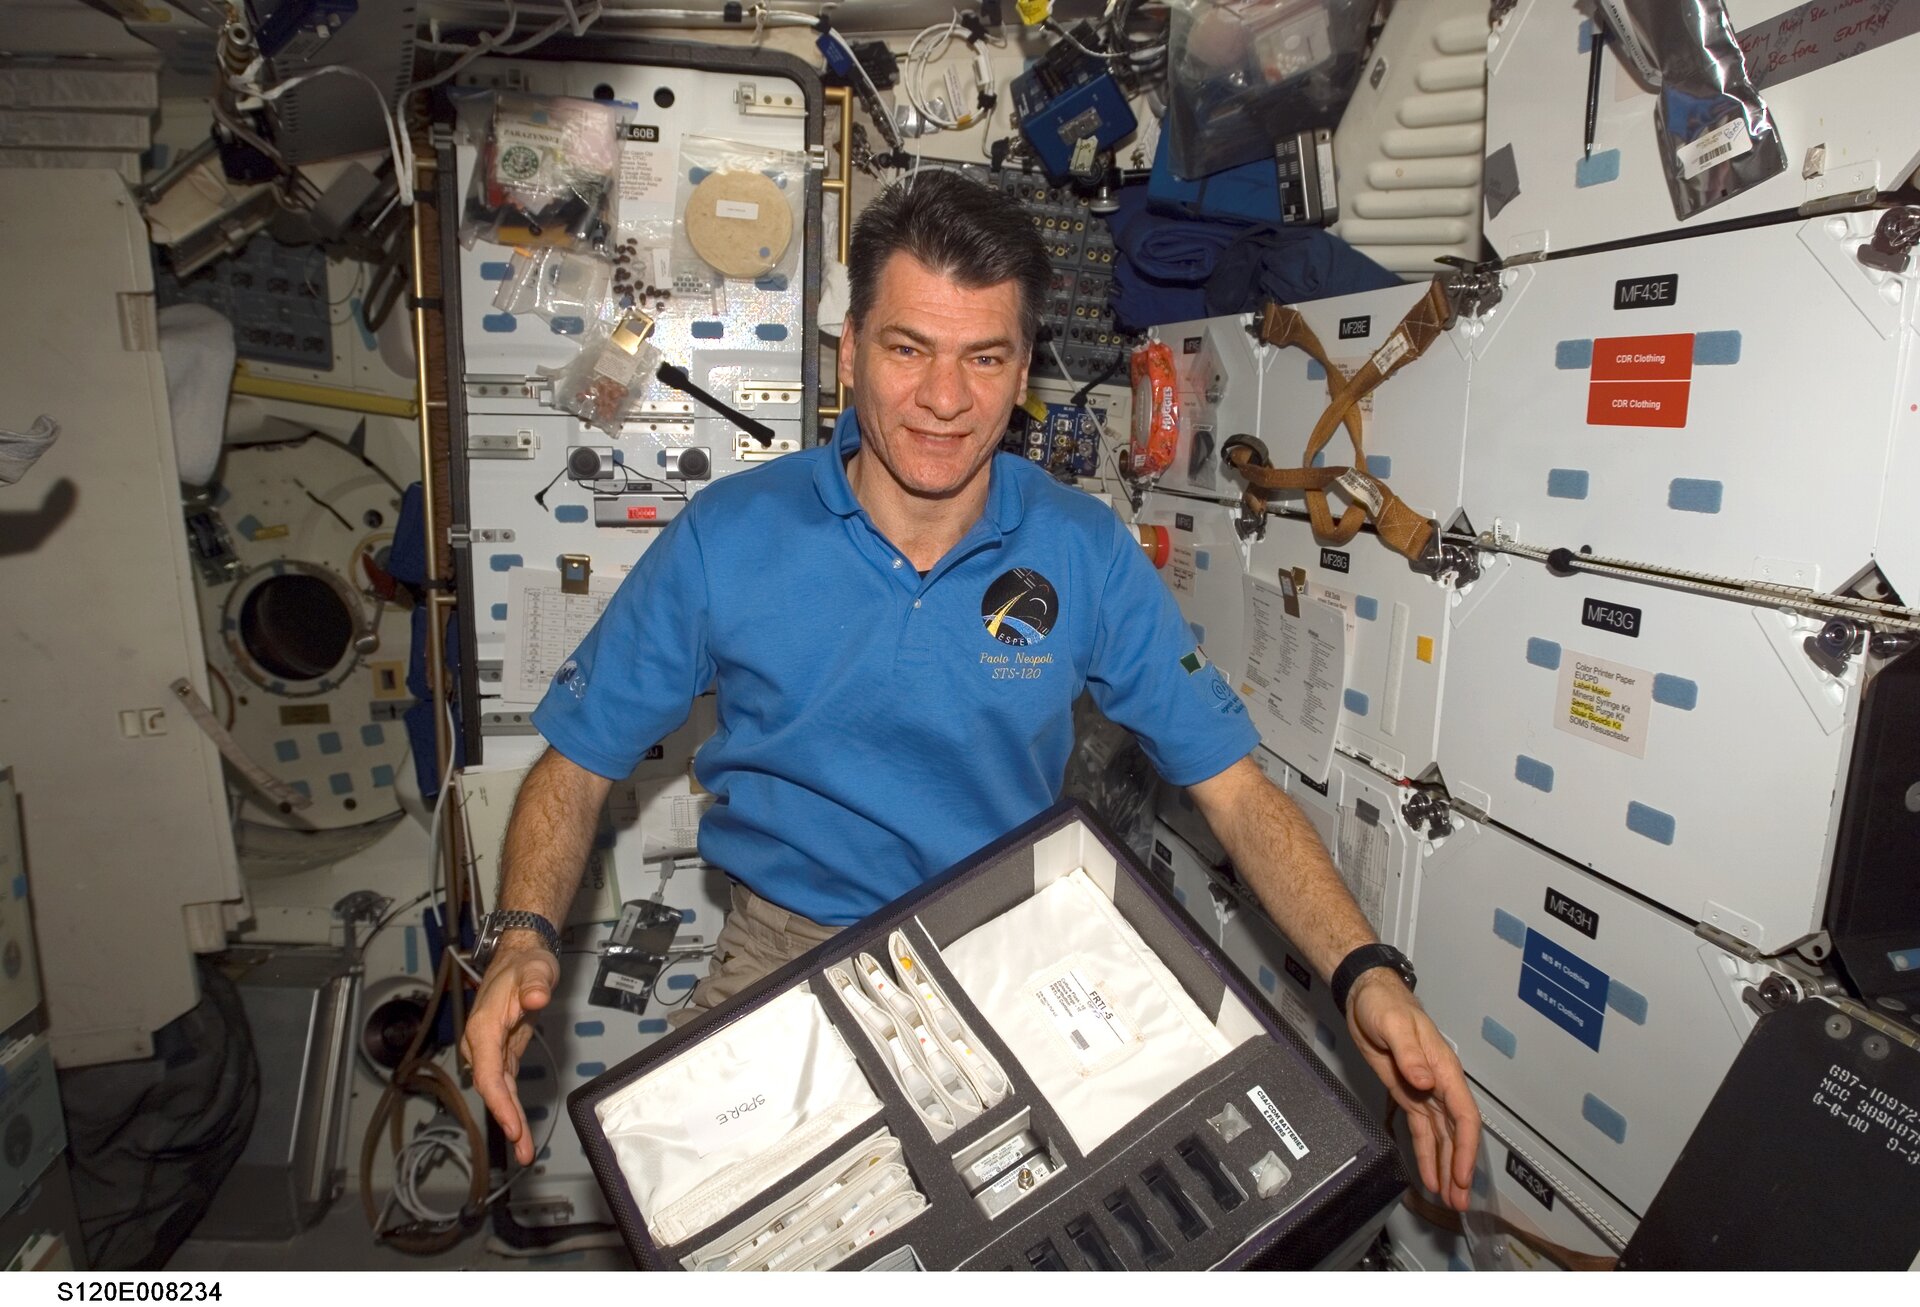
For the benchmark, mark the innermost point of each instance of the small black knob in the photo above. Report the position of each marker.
(1560, 562)
(694, 464)
(583, 463)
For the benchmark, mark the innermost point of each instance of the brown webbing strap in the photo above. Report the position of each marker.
(1403, 529)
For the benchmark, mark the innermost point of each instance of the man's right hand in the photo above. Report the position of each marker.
(518, 983)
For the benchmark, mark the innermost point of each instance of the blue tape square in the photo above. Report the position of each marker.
(302, 788)
(1267, 979)
(688, 916)
(1319, 459)
(1688, 496)
(1202, 560)
(495, 271)
(1675, 691)
(1586, 36)
(1601, 168)
(1604, 1119)
(329, 742)
(589, 1027)
(1716, 349)
(588, 1069)
(537, 1112)
(1627, 1001)
(373, 734)
(1380, 465)
(499, 612)
(653, 1026)
(772, 281)
(682, 981)
(286, 751)
(340, 782)
(531, 1071)
(1510, 928)
(506, 562)
(1543, 653)
(770, 331)
(20, 885)
(1656, 825)
(1531, 771)
(709, 330)
(1904, 959)
(499, 324)
(1366, 608)
(1502, 1039)
(1314, 371)
(1567, 483)
(567, 324)
(575, 513)
(1573, 355)
(382, 776)
(1324, 1033)
(1356, 703)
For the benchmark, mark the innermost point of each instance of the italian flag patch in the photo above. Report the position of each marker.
(1193, 662)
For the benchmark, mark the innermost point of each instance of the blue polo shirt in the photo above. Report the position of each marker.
(875, 726)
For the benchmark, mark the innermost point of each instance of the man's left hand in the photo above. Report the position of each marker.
(1418, 1067)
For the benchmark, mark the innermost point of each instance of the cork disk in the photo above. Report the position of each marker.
(740, 223)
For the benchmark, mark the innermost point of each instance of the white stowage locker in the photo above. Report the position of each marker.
(1218, 363)
(1606, 1024)
(1396, 645)
(1358, 815)
(1261, 952)
(1526, 1182)
(1724, 404)
(1413, 423)
(1837, 79)
(1197, 552)
(1681, 745)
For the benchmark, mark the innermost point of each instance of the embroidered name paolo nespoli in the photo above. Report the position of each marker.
(1020, 607)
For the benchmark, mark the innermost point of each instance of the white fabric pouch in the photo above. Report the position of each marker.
(704, 1134)
(1095, 1017)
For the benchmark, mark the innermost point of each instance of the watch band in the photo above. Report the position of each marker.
(499, 922)
(1364, 959)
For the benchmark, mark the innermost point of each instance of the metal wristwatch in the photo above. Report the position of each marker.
(1363, 959)
(494, 924)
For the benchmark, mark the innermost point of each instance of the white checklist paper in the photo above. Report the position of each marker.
(1296, 675)
(545, 625)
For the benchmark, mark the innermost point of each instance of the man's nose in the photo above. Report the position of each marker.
(943, 389)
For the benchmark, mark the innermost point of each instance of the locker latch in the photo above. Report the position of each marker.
(576, 572)
(1891, 249)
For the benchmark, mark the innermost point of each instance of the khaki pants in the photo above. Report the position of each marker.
(758, 939)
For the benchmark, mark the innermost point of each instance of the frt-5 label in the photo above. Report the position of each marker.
(1646, 292)
(1618, 618)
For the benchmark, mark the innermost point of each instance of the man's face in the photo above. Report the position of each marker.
(934, 370)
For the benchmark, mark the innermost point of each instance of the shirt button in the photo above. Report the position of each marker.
(896, 562)
(916, 603)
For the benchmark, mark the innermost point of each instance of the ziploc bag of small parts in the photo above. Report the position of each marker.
(542, 169)
(602, 384)
(1085, 1006)
(707, 1132)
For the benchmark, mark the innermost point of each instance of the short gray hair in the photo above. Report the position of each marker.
(967, 232)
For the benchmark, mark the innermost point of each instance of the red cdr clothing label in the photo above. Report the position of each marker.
(1640, 381)
(1637, 403)
(1643, 358)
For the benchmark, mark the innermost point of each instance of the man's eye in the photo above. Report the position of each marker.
(988, 360)
(905, 351)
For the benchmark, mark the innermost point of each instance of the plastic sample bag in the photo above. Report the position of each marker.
(741, 210)
(1243, 75)
(601, 385)
(1717, 138)
(554, 283)
(543, 168)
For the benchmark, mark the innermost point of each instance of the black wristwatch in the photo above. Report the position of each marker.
(1366, 958)
(495, 923)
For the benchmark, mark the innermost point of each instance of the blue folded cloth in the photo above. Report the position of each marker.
(1171, 268)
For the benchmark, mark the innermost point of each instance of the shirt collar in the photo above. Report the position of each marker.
(1006, 504)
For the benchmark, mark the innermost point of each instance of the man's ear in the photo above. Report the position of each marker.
(844, 359)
